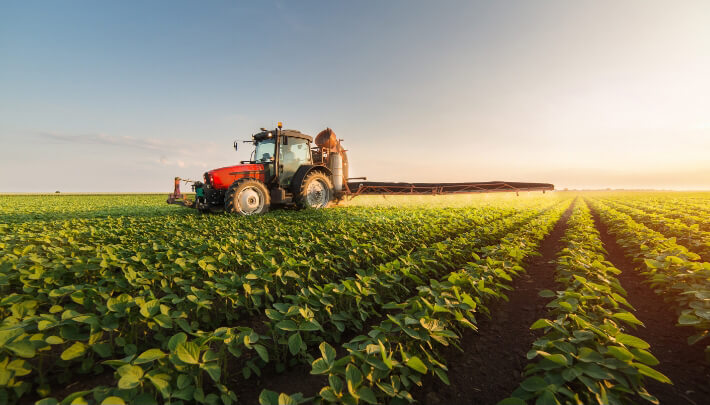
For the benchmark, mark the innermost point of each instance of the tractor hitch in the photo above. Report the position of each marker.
(177, 197)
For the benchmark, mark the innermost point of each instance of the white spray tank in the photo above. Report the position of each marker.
(336, 166)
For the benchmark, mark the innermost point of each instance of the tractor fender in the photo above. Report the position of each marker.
(301, 174)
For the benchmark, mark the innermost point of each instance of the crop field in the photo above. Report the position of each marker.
(557, 298)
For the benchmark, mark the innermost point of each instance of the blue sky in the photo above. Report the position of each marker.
(123, 96)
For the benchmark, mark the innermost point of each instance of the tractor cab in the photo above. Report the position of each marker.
(294, 151)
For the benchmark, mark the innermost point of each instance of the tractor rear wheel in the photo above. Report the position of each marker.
(316, 191)
(247, 197)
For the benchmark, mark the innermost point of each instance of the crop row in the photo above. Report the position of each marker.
(305, 319)
(679, 203)
(584, 355)
(672, 209)
(689, 236)
(22, 209)
(387, 362)
(673, 271)
(97, 301)
(119, 292)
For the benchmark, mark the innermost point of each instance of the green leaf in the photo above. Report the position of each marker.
(319, 366)
(366, 394)
(209, 355)
(23, 349)
(589, 355)
(183, 381)
(161, 382)
(19, 367)
(653, 264)
(415, 363)
(533, 384)
(128, 382)
(188, 352)
(442, 376)
(596, 371)
(697, 337)
(311, 325)
(79, 401)
(546, 398)
(540, 323)
(164, 321)
(286, 400)
(645, 357)
(688, 319)
(5, 377)
(176, 340)
(46, 401)
(336, 383)
(627, 317)
(327, 352)
(287, 325)
(632, 341)
(130, 376)
(120, 304)
(263, 353)
(328, 394)
(213, 369)
(620, 353)
(74, 395)
(294, 343)
(76, 350)
(9, 335)
(130, 369)
(649, 372)
(555, 358)
(54, 340)
(268, 398)
(353, 377)
(547, 293)
(149, 356)
(102, 349)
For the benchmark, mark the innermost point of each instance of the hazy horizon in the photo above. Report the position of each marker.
(122, 97)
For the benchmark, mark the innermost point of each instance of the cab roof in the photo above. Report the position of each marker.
(286, 132)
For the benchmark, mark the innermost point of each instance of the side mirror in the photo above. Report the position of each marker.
(236, 145)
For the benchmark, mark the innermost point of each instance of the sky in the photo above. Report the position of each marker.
(124, 96)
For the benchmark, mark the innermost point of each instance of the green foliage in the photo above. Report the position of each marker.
(584, 355)
(674, 271)
(384, 364)
(161, 296)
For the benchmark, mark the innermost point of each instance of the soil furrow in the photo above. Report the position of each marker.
(685, 365)
(298, 378)
(492, 362)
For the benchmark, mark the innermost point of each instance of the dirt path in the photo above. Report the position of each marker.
(491, 365)
(683, 364)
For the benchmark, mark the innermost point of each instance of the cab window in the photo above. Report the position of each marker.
(294, 152)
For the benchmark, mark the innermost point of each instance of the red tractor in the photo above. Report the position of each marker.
(286, 169)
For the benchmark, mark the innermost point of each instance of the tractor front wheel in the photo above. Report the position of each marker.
(316, 191)
(247, 197)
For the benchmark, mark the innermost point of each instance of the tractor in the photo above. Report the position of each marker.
(285, 168)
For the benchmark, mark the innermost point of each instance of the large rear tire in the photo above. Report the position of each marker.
(247, 197)
(316, 191)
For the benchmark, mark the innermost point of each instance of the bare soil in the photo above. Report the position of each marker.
(684, 364)
(491, 365)
(296, 379)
